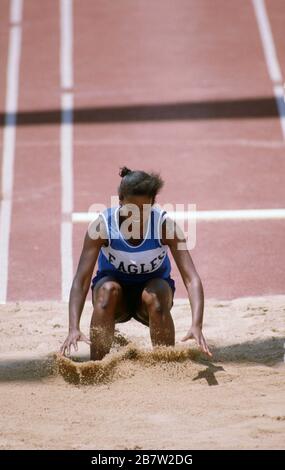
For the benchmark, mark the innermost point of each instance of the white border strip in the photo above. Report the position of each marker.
(9, 140)
(271, 59)
(66, 44)
(279, 95)
(268, 144)
(66, 145)
(16, 11)
(247, 214)
(267, 41)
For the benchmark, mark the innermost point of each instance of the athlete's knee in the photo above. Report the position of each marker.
(152, 301)
(108, 294)
(112, 288)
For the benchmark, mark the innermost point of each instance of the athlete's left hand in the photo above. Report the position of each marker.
(195, 332)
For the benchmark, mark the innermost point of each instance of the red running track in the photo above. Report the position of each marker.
(188, 93)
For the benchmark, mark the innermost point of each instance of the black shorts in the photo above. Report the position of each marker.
(132, 297)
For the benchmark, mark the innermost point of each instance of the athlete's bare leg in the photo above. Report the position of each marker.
(156, 302)
(107, 301)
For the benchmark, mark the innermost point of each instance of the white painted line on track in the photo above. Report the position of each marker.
(279, 95)
(9, 140)
(246, 214)
(274, 144)
(66, 44)
(66, 144)
(267, 41)
(271, 59)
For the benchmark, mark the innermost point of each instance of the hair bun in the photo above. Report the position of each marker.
(124, 171)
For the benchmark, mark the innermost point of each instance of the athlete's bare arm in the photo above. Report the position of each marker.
(81, 284)
(173, 236)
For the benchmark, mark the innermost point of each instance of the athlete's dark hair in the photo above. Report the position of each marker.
(139, 183)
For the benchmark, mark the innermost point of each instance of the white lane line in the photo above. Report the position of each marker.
(16, 11)
(9, 138)
(66, 259)
(129, 143)
(66, 145)
(267, 41)
(66, 44)
(183, 143)
(246, 214)
(271, 59)
(279, 95)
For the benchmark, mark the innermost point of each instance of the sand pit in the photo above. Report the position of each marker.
(139, 398)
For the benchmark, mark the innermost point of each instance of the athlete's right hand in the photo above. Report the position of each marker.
(73, 337)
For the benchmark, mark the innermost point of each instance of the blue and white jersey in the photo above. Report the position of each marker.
(132, 263)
